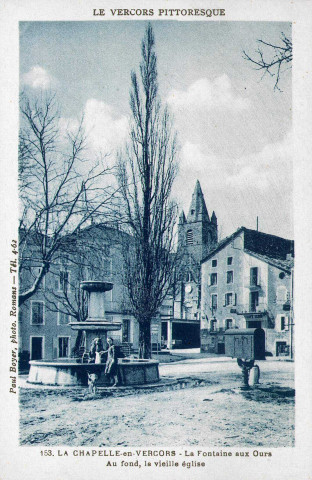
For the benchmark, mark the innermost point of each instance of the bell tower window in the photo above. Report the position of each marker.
(189, 237)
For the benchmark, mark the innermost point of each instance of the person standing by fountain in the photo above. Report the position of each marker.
(111, 362)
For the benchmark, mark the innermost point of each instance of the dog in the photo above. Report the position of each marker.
(92, 379)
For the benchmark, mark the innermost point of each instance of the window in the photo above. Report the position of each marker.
(228, 323)
(63, 281)
(282, 323)
(229, 260)
(192, 212)
(229, 276)
(282, 349)
(214, 301)
(228, 299)
(37, 313)
(63, 347)
(62, 318)
(213, 279)
(254, 301)
(189, 237)
(214, 263)
(213, 325)
(254, 276)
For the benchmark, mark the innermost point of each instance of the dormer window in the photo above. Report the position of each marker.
(189, 237)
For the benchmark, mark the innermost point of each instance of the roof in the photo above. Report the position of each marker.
(225, 241)
(269, 248)
(285, 265)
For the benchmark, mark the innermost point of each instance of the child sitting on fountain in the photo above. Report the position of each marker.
(96, 351)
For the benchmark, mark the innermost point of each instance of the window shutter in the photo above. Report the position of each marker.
(55, 346)
(235, 299)
(286, 323)
(224, 300)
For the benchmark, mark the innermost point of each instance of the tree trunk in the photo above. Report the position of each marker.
(145, 339)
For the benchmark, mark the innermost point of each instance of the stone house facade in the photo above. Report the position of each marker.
(247, 283)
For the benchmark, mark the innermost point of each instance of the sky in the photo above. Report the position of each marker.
(234, 130)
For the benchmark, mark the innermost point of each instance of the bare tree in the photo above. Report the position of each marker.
(60, 191)
(146, 172)
(272, 59)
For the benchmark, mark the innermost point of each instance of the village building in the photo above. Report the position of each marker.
(247, 283)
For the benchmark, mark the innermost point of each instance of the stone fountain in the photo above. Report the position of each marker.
(74, 371)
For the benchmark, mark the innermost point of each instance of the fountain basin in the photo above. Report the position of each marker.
(138, 372)
(71, 373)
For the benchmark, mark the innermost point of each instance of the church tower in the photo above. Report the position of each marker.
(197, 233)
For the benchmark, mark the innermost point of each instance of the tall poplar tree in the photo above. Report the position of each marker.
(146, 171)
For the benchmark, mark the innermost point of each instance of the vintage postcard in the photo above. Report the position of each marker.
(156, 247)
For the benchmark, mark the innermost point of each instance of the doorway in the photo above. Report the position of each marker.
(36, 348)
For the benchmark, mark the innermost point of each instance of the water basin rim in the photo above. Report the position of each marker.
(96, 286)
(72, 363)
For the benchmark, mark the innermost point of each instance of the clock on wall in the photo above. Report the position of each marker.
(188, 288)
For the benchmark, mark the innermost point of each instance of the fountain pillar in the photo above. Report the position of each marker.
(96, 324)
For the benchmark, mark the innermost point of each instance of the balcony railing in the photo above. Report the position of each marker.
(252, 308)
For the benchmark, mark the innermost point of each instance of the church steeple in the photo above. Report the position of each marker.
(198, 211)
(197, 233)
